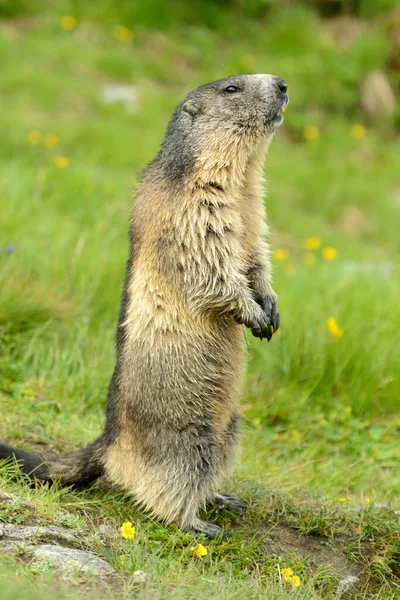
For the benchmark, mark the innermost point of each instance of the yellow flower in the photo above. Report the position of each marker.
(68, 23)
(199, 550)
(61, 161)
(122, 33)
(334, 328)
(51, 140)
(358, 131)
(309, 258)
(281, 253)
(367, 501)
(344, 499)
(128, 530)
(34, 137)
(310, 133)
(329, 253)
(287, 574)
(296, 581)
(312, 243)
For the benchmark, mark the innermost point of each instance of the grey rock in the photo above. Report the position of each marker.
(383, 269)
(126, 95)
(72, 561)
(347, 583)
(21, 533)
(376, 96)
(9, 547)
(139, 577)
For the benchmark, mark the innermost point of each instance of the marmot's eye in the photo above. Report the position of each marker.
(232, 89)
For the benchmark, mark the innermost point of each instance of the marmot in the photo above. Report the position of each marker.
(198, 268)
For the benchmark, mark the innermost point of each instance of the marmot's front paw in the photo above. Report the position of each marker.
(257, 321)
(269, 304)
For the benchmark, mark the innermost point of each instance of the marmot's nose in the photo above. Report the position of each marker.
(282, 85)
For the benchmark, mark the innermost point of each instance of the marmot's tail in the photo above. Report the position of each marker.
(77, 469)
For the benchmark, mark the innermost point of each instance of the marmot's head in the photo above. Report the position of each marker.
(221, 123)
(243, 104)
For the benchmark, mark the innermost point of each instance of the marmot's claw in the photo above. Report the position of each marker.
(260, 326)
(270, 307)
(265, 332)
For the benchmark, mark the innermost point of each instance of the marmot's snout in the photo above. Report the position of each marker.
(281, 85)
(275, 89)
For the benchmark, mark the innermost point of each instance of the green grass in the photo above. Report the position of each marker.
(321, 418)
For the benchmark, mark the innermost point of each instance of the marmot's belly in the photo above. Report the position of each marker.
(184, 378)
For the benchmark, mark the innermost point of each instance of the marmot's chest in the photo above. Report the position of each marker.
(212, 223)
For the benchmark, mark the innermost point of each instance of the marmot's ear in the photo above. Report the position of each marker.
(192, 107)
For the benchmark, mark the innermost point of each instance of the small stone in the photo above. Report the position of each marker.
(139, 577)
(124, 95)
(347, 583)
(72, 561)
(376, 96)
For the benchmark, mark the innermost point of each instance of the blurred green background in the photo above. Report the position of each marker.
(86, 92)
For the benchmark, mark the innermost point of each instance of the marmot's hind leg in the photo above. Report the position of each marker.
(172, 474)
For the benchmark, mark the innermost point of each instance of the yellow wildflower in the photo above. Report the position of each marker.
(344, 499)
(287, 574)
(309, 258)
(358, 131)
(51, 140)
(367, 501)
(122, 33)
(128, 530)
(312, 243)
(68, 23)
(329, 253)
(334, 328)
(61, 161)
(296, 581)
(199, 550)
(311, 133)
(281, 253)
(34, 137)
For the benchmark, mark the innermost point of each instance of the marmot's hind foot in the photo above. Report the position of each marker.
(209, 529)
(229, 502)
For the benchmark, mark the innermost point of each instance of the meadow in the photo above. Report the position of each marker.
(86, 93)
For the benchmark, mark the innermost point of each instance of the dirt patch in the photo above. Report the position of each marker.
(319, 551)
